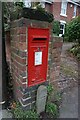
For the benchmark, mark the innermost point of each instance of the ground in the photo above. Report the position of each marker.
(69, 76)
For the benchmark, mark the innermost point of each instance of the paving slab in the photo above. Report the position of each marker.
(5, 114)
(69, 106)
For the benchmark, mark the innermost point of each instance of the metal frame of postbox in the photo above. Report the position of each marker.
(38, 42)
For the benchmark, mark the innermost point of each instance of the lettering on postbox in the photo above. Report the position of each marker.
(38, 40)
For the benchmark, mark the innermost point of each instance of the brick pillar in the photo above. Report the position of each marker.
(19, 55)
(55, 60)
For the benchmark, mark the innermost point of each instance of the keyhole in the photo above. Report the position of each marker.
(38, 48)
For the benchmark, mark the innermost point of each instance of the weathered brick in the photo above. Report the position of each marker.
(27, 101)
(22, 38)
(13, 37)
(21, 84)
(26, 95)
(21, 30)
(16, 74)
(16, 44)
(20, 95)
(13, 24)
(22, 22)
(23, 79)
(22, 46)
(57, 44)
(13, 55)
(23, 74)
(20, 60)
(21, 53)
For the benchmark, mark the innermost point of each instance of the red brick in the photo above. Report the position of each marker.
(22, 38)
(15, 31)
(16, 44)
(69, 13)
(20, 60)
(17, 38)
(23, 79)
(21, 30)
(16, 74)
(57, 44)
(21, 67)
(22, 46)
(20, 95)
(18, 83)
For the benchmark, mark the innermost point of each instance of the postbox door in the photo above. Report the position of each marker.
(37, 55)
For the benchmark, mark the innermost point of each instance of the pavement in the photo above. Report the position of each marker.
(5, 114)
(69, 105)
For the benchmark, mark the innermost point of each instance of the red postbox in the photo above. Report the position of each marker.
(38, 40)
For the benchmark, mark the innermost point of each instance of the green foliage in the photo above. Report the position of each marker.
(72, 30)
(11, 10)
(75, 50)
(57, 96)
(54, 93)
(52, 109)
(18, 112)
(56, 27)
(49, 89)
(39, 7)
(19, 4)
(53, 106)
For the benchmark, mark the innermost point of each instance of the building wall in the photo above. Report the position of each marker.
(78, 11)
(49, 7)
(57, 10)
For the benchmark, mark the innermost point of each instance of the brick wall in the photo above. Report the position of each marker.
(78, 11)
(56, 10)
(49, 7)
(19, 55)
(69, 12)
(8, 46)
(55, 60)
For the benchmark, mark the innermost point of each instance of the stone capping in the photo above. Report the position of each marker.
(29, 23)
